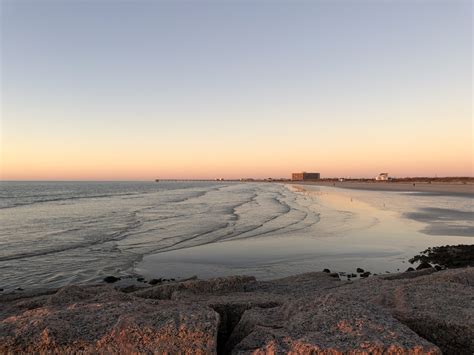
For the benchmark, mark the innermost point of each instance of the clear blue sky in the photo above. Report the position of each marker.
(135, 89)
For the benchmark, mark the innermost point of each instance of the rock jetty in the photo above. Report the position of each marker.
(420, 312)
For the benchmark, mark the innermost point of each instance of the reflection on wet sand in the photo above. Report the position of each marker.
(367, 229)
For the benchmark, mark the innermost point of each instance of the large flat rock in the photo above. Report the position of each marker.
(92, 320)
(438, 306)
(328, 324)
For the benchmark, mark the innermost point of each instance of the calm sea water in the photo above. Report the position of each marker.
(55, 233)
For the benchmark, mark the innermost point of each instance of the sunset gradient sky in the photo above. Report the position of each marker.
(135, 90)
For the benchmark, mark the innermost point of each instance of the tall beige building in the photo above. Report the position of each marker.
(304, 176)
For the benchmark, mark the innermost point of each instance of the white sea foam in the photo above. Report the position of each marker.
(52, 234)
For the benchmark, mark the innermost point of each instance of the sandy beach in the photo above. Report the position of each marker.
(454, 189)
(339, 229)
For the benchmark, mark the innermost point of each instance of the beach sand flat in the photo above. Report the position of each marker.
(454, 189)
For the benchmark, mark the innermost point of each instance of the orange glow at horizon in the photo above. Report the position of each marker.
(25, 162)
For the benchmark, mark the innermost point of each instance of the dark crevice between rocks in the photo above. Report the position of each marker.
(230, 315)
(449, 339)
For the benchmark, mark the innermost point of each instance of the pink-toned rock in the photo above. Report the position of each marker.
(91, 320)
(325, 325)
(438, 306)
(409, 313)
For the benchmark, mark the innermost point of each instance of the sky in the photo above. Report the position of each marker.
(138, 90)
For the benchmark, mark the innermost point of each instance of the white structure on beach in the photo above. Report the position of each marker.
(382, 177)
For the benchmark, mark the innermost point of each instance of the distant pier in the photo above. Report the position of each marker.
(221, 180)
(194, 180)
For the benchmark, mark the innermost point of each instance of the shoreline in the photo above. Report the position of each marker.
(449, 189)
(335, 228)
(350, 232)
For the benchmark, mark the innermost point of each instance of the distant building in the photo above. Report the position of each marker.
(304, 176)
(382, 177)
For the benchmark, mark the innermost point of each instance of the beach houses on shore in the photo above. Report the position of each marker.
(304, 176)
(382, 177)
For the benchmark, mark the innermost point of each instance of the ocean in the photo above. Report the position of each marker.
(58, 233)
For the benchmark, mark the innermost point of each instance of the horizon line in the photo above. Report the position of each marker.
(226, 179)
